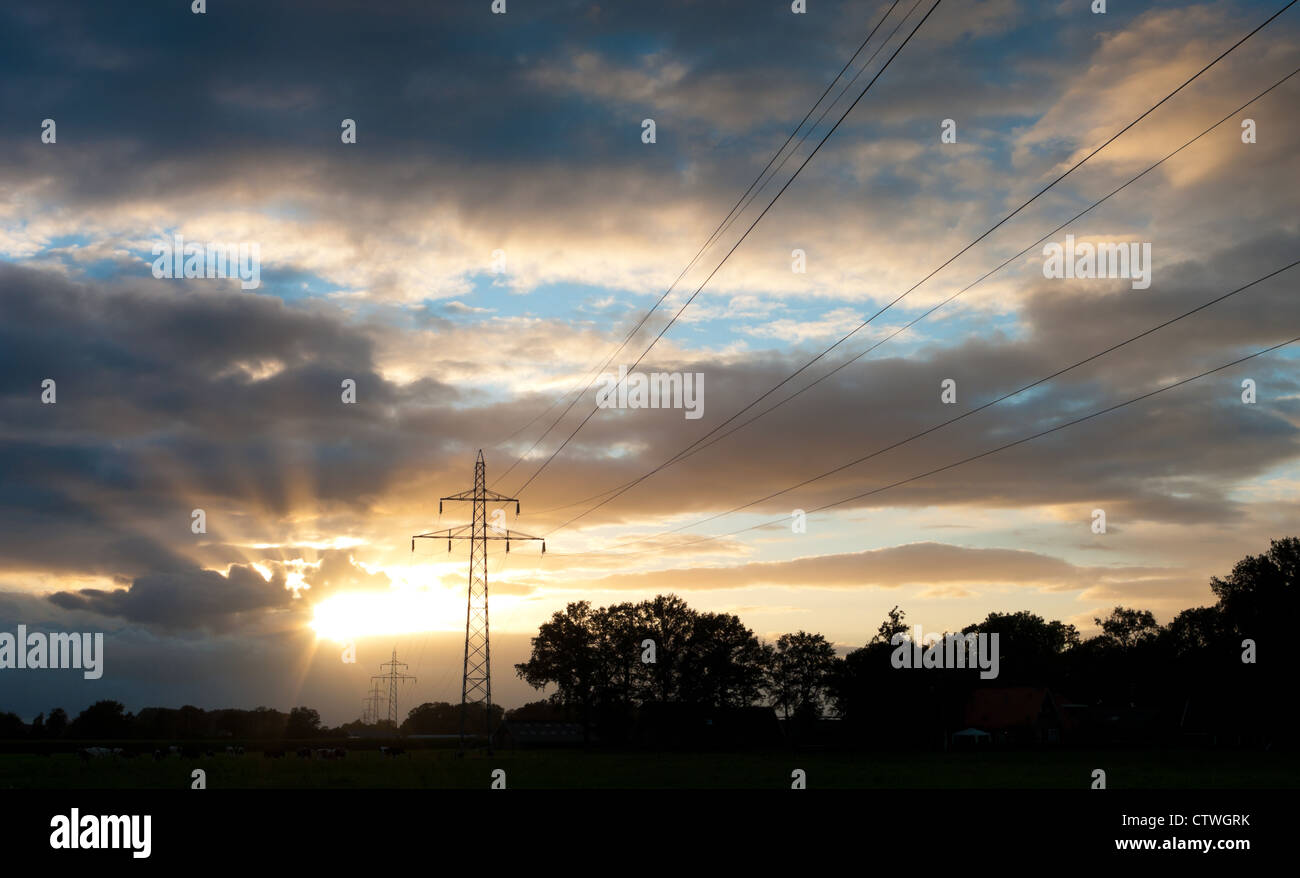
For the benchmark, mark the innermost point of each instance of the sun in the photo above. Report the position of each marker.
(345, 617)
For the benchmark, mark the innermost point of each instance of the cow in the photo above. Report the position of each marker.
(304, 752)
(340, 753)
(392, 751)
(273, 754)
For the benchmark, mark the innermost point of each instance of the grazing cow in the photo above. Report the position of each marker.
(273, 754)
(239, 751)
(392, 751)
(340, 753)
(304, 752)
(158, 755)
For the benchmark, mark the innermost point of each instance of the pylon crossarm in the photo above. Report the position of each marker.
(490, 496)
(508, 535)
(462, 532)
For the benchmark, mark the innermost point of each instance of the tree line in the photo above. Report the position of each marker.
(1227, 666)
(1223, 665)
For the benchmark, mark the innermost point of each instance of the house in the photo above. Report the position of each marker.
(1021, 714)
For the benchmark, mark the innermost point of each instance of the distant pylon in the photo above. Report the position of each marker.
(476, 679)
(370, 714)
(393, 677)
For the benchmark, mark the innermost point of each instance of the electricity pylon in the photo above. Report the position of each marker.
(476, 680)
(393, 678)
(370, 714)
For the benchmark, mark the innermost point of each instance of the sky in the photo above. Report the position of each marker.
(499, 226)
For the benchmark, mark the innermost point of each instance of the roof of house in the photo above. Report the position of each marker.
(1003, 707)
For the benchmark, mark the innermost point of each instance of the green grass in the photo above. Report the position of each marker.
(440, 769)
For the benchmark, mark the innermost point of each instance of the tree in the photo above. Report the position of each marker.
(724, 665)
(1261, 597)
(103, 719)
(799, 674)
(668, 621)
(303, 723)
(565, 655)
(538, 711)
(12, 727)
(892, 625)
(56, 723)
(593, 658)
(1030, 646)
(1127, 628)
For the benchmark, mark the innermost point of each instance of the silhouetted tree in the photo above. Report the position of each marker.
(593, 659)
(303, 723)
(12, 727)
(799, 674)
(1127, 628)
(56, 724)
(103, 719)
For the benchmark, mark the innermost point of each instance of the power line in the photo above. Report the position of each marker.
(973, 411)
(700, 444)
(721, 228)
(745, 235)
(862, 325)
(784, 520)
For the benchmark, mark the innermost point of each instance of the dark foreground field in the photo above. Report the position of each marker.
(1062, 769)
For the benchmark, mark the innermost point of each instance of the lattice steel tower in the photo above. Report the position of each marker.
(393, 677)
(370, 714)
(476, 681)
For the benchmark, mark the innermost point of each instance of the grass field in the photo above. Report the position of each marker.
(435, 769)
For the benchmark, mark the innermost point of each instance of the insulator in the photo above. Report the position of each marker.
(516, 507)
(448, 545)
(543, 547)
(440, 507)
(507, 544)
(412, 544)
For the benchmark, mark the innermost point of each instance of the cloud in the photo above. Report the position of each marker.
(194, 598)
(892, 567)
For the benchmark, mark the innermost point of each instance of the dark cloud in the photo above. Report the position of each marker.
(185, 599)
